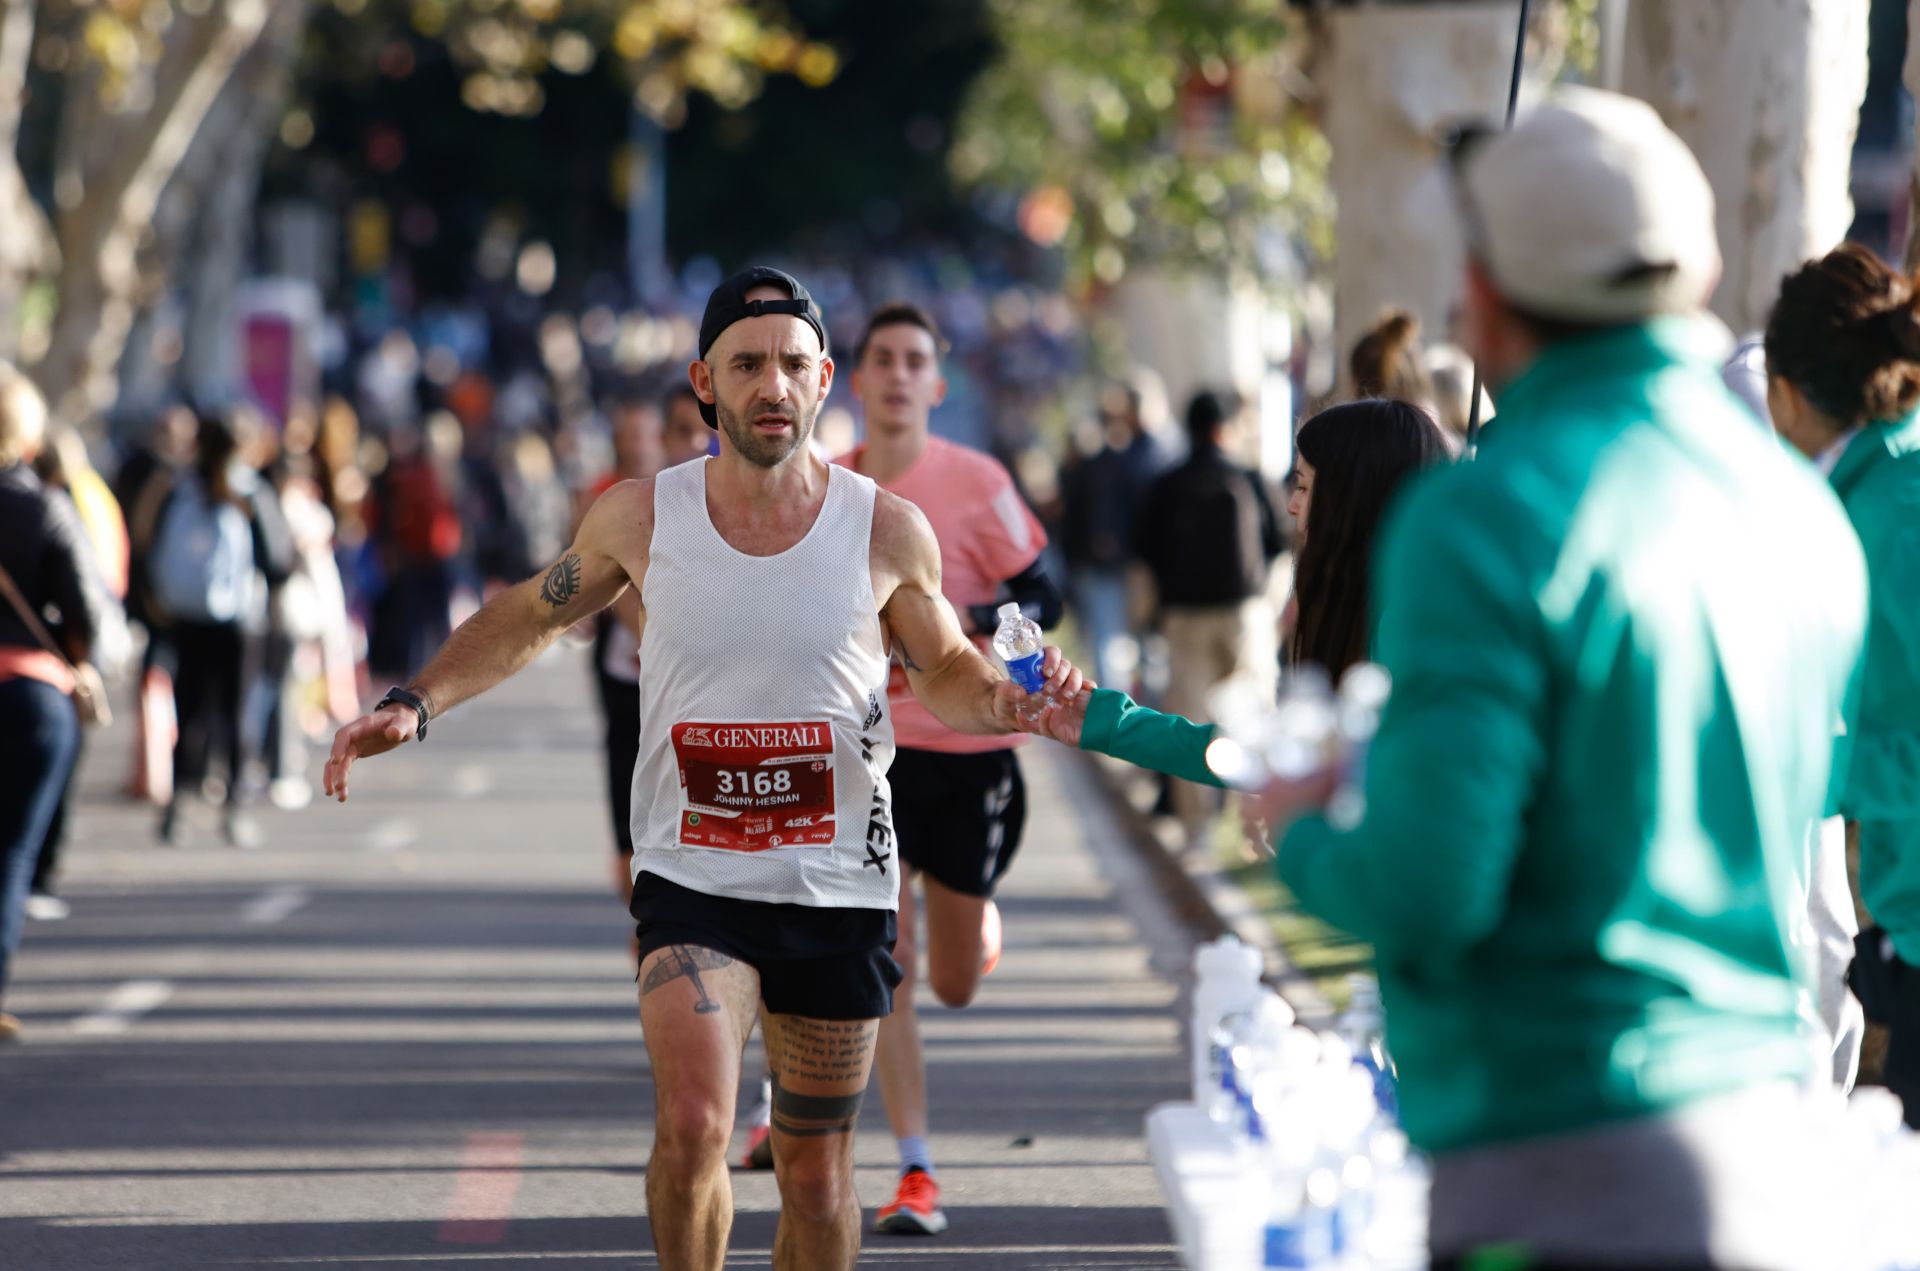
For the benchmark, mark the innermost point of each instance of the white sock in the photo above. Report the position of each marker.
(915, 1152)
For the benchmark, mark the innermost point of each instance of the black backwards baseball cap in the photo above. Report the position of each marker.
(729, 304)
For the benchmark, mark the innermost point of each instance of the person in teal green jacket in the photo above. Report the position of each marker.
(1621, 643)
(1843, 377)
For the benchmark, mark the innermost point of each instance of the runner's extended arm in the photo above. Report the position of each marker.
(948, 674)
(509, 632)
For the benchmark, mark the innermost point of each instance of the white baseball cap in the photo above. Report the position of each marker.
(1591, 210)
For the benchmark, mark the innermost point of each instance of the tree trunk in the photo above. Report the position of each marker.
(1767, 93)
(111, 178)
(1394, 79)
(205, 229)
(27, 247)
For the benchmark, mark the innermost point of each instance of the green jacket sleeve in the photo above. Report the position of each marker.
(1460, 747)
(1117, 726)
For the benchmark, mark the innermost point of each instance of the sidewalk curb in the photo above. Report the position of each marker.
(1206, 900)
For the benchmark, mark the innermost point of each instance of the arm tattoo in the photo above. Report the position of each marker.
(906, 660)
(687, 960)
(563, 582)
(812, 1115)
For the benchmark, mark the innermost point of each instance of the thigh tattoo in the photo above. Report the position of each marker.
(687, 960)
(829, 1051)
(811, 1115)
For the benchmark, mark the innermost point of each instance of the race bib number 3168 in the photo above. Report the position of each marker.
(749, 787)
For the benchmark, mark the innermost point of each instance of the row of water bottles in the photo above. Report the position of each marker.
(1314, 1113)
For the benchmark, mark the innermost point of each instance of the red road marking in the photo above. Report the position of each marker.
(483, 1193)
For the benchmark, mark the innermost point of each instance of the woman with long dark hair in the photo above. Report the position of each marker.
(1352, 460)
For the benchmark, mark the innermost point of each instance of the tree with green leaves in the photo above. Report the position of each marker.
(133, 84)
(1145, 131)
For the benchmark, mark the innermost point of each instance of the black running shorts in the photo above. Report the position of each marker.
(958, 817)
(814, 962)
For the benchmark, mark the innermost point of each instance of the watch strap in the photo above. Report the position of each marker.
(397, 696)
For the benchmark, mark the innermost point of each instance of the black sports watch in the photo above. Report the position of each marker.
(421, 707)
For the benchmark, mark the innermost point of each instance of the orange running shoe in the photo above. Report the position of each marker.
(989, 938)
(759, 1153)
(915, 1210)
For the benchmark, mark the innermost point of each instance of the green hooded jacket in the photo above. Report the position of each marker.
(1878, 480)
(1622, 643)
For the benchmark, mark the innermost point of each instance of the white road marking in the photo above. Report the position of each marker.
(124, 1005)
(471, 780)
(391, 836)
(274, 904)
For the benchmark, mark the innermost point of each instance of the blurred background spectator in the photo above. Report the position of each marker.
(48, 564)
(1209, 534)
(219, 550)
(1101, 494)
(64, 467)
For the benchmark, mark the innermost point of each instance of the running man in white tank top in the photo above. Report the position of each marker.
(772, 592)
(959, 800)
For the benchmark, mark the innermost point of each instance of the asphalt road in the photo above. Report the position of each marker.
(403, 1034)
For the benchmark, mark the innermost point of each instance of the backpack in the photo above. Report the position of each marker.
(201, 566)
(1205, 536)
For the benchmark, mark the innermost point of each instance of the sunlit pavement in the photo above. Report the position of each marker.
(403, 1034)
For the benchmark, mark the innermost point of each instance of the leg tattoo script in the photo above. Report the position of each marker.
(687, 960)
(563, 582)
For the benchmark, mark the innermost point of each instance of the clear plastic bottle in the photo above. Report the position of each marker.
(1226, 983)
(1018, 642)
(1305, 736)
(1300, 1211)
(1347, 1113)
(1255, 741)
(1397, 1226)
(1363, 1026)
(1363, 696)
(1233, 1063)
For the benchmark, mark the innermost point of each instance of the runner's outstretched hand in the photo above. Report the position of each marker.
(367, 736)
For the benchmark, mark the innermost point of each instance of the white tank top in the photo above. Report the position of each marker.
(764, 733)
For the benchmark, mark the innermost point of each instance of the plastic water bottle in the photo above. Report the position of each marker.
(1226, 984)
(1256, 741)
(1018, 642)
(1363, 696)
(1363, 1026)
(1231, 1057)
(1300, 1213)
(1345, 1105)
(1305, 736)
(1396, 1238)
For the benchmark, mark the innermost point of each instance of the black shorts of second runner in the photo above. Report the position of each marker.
(958, 817)
(813, 962)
